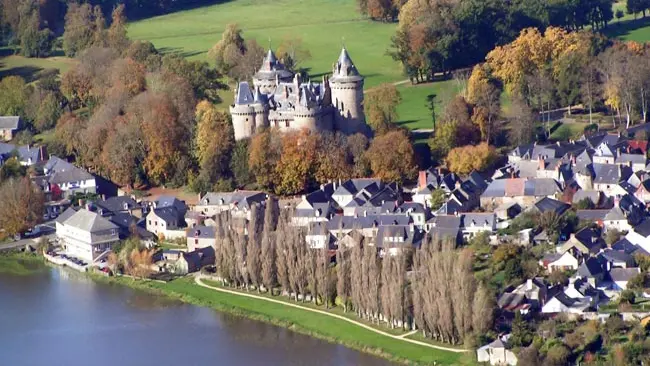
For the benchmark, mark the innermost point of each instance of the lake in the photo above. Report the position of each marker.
(60, 317)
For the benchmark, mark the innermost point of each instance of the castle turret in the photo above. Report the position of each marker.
(346, 86)
(271, 73)
(243, 112)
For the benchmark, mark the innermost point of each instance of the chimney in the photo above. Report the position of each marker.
(529, 284)
(422, 179)
(558, 143)
(411, 227)
(542, 164)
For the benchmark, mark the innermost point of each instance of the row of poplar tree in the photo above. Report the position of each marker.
(432, 289)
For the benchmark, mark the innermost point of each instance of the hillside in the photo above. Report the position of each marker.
(323, 26)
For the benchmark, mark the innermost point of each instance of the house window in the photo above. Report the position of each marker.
(149, 222)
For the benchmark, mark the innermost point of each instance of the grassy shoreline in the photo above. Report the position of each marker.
(311, 324)
(20, 263)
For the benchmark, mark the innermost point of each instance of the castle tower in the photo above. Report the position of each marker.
(243, 112)
(346, 85)
(270, 74)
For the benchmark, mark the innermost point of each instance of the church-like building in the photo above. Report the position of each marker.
(278, 98)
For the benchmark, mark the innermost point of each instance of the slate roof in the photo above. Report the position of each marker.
(478, 219)
(616, 256)
(625, 246)
(591, 267)
(548, 204)
(409, 238)
(643, 228)
(25, 153)
(344, 69)
(632, 158)
(89, 221)
(171, 201)
(65, 215)
(513, 187)
(244, 94)
(202, 232)
(117, 204)
(591, 215)
(60, 171)
(9, 122)
(615, 214)
(623, 274)
(272, 67)
(170, 214)
(243, 199)
(610, 173)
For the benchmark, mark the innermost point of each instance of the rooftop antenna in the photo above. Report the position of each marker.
(343, 41)
(269, 43)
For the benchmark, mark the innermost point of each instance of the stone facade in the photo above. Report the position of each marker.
(280, 99)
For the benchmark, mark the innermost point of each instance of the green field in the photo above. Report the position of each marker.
(313, 324)
(28, 68)
(413, 112)
(322, 25)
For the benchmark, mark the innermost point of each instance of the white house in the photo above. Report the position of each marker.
(238, 203)
(616, 219)
(87, 235)
(474, 223)
(496, 353)
(560, 262)
(68, 178)
(201, 237)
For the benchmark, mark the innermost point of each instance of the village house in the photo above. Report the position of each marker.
(496, 354)
(166, 219)
(313, 207)
(120, 204)
(26, 155)
(190, 262)
(621, 276)
(529, 296)
(63, 179)
(201, 237)
(559, 262)
(87, 235)
(525, 192)
(477, 222)
(239, 203)
(8, 127)
(586, 242)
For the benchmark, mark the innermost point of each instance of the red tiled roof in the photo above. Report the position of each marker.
(638, 144)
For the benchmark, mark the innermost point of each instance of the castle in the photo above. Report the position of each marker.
(278, 98)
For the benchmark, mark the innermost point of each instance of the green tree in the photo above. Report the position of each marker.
(437, 198)
(380, 106)
(627, 297)
(15, 93)
(228, 51)
(239, 164)
(521, 335)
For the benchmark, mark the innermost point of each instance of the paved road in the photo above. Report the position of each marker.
(47, 230)
(198, 281)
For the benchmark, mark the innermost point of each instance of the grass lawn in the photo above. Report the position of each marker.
(413, 112)
(28, 68)
(313, 324)
(322, 25)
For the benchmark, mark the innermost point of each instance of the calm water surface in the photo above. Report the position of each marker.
(63, 318)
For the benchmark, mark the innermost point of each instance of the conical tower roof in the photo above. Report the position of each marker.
(271, 67)
(344, 69)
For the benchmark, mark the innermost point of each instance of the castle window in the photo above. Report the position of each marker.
(246, 119)
(286, 123)
(342, 107)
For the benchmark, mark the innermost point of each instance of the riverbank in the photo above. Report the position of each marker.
(21, 263)
(301, 321)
